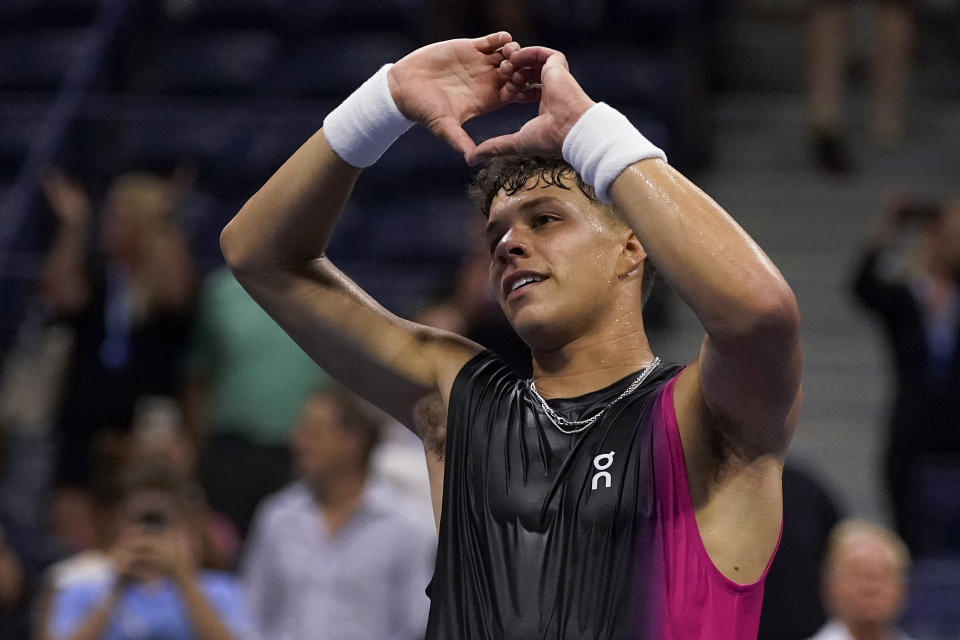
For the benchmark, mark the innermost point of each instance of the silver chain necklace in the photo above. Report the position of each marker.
(581, 425)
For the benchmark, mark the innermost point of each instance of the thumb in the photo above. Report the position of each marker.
(506, 145)
(448, 129)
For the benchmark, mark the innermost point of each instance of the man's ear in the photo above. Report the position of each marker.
(632, 255)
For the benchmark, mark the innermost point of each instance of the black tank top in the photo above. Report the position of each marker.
(542, 534)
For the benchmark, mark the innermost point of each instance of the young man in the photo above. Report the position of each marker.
(640, 501)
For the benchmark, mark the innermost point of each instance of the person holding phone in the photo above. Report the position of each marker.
(156, 587)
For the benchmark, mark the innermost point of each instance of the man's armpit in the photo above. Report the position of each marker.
(430, 422)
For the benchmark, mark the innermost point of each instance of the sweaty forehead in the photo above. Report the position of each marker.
(535, 193)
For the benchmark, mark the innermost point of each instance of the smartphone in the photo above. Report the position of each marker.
(153, 521)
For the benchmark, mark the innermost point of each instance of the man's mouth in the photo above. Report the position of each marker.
(517, 282)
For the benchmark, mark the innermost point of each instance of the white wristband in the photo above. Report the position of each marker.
(602, 143)
(364, 125)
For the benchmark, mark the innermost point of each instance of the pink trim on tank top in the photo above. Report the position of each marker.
(731, 609)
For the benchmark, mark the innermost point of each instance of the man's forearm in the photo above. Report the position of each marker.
(290, 219)
(719, 271)
(63, 274)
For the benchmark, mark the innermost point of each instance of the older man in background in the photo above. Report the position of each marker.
(864, 583)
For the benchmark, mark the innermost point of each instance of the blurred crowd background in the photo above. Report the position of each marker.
(171, 465)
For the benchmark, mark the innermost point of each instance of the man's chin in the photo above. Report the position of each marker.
(538, 333)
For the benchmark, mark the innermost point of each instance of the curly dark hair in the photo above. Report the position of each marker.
(513, 173)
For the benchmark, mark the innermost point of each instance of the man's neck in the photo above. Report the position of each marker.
(590, 362)
(870, 631)
(338, 498)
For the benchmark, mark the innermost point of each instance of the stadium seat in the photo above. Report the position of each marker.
(333, 66)
(38, 59)
(330, 17)
(932, 612)
(214, 62)
(19, 126)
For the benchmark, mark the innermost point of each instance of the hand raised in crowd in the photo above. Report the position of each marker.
(66, 197)
(141, 554)
(443, 85)
(174, 553)
(542, 74)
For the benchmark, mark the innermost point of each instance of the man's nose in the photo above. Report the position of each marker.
(511, 245)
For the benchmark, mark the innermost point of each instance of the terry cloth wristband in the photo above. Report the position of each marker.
(364, 126)
(602, 143)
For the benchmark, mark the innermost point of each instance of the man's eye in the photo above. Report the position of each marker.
(543, 219)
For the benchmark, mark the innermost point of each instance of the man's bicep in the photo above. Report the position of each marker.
(389, 361)
(751, 389)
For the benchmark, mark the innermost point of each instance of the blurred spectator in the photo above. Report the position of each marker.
(156, 440)
(128, 304)
(246, 381)
(158, 437)
(829, 40)
(335, 555)
(152, 587)
(25, 552)
(864, 583)
(920, 312)
(792, 609)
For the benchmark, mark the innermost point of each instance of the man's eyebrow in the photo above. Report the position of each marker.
(532, 203)
(535, 202)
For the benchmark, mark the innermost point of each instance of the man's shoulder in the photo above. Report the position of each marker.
(292, 500)
(484, 373)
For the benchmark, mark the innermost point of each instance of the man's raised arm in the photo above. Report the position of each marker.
(275, 245)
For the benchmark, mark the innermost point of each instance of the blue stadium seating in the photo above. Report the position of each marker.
(232, 62)
(932, 612)
(37, 59)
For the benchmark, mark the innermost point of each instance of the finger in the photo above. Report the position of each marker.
(530, 94)
(525, 76)
(492, 42)
(450, 131)
(503, 53)
(535, 57)
(526, 92)
(505, 145)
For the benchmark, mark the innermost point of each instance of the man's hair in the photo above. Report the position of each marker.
(156, 476)
(511, 174)
(852, 528)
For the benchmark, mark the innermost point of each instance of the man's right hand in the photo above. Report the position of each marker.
(562, 103)
(443, 85)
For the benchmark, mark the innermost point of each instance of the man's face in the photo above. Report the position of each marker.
(556, 258)
(866, 582)
(149, 521)
(321, 447)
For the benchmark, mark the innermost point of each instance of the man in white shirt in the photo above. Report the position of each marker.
(337, 555)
